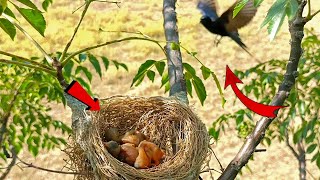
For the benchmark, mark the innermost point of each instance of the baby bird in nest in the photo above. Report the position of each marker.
(133, 137)
(153, 152)
(128, 153)
(112, 147)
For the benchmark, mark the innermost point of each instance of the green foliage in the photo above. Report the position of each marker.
(32, 14)
(277, 13)
(76, 68)
(300, 120)
(24, 95)
(8, 27)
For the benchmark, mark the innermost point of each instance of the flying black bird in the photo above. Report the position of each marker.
(225, 25)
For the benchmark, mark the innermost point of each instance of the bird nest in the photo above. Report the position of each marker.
(172, 125)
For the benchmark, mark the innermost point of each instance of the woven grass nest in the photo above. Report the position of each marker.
(167, 122)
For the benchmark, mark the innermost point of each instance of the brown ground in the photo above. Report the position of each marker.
(146, 16)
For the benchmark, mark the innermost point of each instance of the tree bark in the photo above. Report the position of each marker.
(296, 26)
(302, 162)
(175, 67)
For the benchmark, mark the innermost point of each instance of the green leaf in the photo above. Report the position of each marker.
(275, 17)
(28, 3)
(200, 89)
(68, 68)
(189, 87)
(3, 5)
(117, 64)
(141, 71)
(214, 133)
(238, 7)
(215, 78)
(189, 69)
(94, 61)
(82, 57)
(45, 4)
(160, 66)
(291, 9)
(106, 62)
(151, 75)
(165, 79)
(318, 162)
(310, 138)
(257, 3)
(85, 71)
(8, 27)
(35, 18)
(174, 46)
(8, 12)
(311, 148)
(205, 72)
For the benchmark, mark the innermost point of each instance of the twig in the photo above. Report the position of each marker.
(5, 61)
(48, 58)
(67, 59)
(30, 165)
(310, 174)
(296, 26)
(260, 150)
(211, 169)
(23, 59)
(290, 147)
(221, 167)
(59, 74)
(12, 163)
(64, 52)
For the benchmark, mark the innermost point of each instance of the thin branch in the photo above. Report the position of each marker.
(64, 52)
(310, 174)
(221, 167)
(5, 61)
(67, 59)
(211, 169)
(309, 9)
(11, 165)
(290, 147)
(23, 59)
(48, 58)
(260, 150)
(296, 26)
(314, 14)
(30, 165)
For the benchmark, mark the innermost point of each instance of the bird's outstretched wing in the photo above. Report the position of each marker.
(245, 15)
(208, 8)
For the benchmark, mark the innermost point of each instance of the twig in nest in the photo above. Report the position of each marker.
(30, 165)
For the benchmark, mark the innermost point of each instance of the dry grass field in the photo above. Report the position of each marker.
(146, 16)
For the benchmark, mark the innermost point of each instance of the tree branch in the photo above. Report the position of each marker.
(30, 165)
(64, 52)
(290, 147)
(23, 59)
(296, 26)
(67, 59)
(22, 64)
(48, 58)
(12, 163)
(175, 67)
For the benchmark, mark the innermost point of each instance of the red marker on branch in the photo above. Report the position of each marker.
(262, 109)
(77, 91)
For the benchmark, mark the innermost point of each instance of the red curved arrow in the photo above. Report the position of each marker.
(262, 109)
(77, 91)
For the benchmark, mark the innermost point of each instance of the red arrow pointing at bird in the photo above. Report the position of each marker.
(262, 109)
(77, 91)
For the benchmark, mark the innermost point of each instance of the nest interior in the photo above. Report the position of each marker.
(165, 121)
